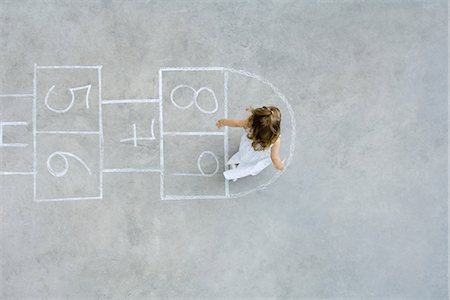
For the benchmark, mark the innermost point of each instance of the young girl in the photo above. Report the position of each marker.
(260, 143)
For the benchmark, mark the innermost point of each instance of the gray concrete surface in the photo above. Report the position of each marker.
(361, 211)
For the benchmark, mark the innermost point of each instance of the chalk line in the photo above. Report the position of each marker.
(66, 132)
(225, 129)
(12, 145)
(194, 99)
(174, 133)
(100, 129)
(16, 95)
(135, 138)
(72, 99)
(69, 67)
(131, 101)
(16, 173)
(199, 166)
(194, 197)
(131, 170)
(161, 137)
(66, 163)
(34, 132)
(68, 199)
(192, 69)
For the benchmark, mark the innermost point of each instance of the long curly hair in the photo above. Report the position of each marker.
(263, 126)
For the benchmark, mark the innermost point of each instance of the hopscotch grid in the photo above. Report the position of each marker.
(225, 136)
(168, 197)
(131, 101)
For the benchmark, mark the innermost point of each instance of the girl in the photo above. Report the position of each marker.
(260, 143)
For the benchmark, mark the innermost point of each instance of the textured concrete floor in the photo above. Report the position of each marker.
(360, 212)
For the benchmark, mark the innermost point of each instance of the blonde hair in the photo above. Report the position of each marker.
(263, 126)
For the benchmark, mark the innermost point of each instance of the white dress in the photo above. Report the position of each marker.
(250, 162)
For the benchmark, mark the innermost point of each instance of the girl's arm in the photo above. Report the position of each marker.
(232, 123)
(275, 155)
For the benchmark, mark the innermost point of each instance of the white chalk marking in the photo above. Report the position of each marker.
(135, 138)
(131, 170)
(181, 86)
(131, 101)
(68, 67)
(66, 163)
(72, 100)
(17, 123)
(34, 131)
(100, 129)
(12, 145)
(193, 197)
(216, 103)
(16, 173)
(69, 199)
(174, 133)
(16, 95)
(199, 166)
(192, 69)
(161, 137)
(225, 129)
(194, 99)
(88, 90)
(66, 132)
(277, 92)
(187, 174)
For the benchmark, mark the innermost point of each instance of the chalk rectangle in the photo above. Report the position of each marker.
(68, 167)
(192, 97)
(193, 166)
(131, 136)
(67, 98)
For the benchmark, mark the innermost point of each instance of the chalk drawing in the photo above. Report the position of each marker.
(193, 101)
(131, 170)
(195, 95)
(73, 92)
(132, 101)
(3, 124)
(200, 168)
(16, 95)
(135, 138)
(64, 156)
(72, 100)
(174, 133)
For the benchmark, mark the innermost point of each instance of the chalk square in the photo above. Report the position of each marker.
(83, 156)
(180, 106)
(182, 176)
(118, 125)
(17, 159)
(60, 113)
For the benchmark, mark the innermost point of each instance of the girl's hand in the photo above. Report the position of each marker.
(281, 166)
(220, 123)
